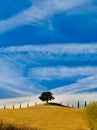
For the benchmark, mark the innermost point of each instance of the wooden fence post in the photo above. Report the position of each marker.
(4, 106)
(78, 105)
(20, 106)
(85, 103)
(27, 105)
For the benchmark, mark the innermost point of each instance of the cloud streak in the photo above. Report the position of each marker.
(51, 73)
(12, 77)
(79, 87)
(39, 11)
(69, 48)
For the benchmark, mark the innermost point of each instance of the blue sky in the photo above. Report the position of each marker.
(48, 45)
(21, 22)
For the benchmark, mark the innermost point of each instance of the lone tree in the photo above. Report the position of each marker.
(46, 96)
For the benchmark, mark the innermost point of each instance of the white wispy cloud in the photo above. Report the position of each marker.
(79, 87)
(69, 48)
(50, 73)
(12, 77)
(40, 10)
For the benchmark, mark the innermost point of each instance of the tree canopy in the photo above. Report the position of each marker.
(46, 96)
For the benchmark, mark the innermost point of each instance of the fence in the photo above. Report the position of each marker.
(77, 104)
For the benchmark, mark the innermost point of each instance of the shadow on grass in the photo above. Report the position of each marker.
(57, 104)
(6, 126)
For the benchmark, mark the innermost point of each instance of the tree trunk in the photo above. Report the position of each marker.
(47, 102)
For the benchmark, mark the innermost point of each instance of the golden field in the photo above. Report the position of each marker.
(46, 117)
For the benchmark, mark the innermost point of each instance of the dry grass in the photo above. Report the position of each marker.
(7, 126)
(46, 118)
(91, 115)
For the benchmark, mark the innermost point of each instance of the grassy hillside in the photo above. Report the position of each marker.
(91, 115)
(46, 117)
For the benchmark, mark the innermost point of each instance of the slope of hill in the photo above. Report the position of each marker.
(46, 117)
